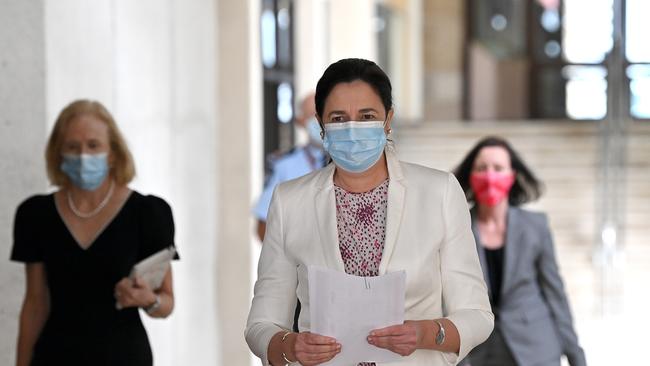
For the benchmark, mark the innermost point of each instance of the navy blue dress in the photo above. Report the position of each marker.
(83, 327)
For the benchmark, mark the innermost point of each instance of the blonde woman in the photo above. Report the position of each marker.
(79, 245)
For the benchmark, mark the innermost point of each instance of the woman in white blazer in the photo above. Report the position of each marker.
(533, 323)
(369, 214)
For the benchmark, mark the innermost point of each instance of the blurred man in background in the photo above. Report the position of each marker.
(300, 160)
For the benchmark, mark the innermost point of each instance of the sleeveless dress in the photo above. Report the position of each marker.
(361, 223)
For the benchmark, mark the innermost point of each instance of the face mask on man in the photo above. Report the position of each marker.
(491, 188)
(86, 171)
(355, 146)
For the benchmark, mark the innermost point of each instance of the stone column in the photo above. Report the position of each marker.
(239, 142)
(23, 131)
(352, 30)
(444, 37)
(311, 34)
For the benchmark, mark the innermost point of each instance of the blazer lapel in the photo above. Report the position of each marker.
(325, 205)
(395, 208)
(512, 247)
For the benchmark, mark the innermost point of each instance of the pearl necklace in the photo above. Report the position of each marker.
(94, 212)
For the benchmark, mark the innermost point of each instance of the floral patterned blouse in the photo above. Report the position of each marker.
(361, 223)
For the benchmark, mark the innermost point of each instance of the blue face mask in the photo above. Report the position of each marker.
(355, 146)
(86, 171)
(313, 129)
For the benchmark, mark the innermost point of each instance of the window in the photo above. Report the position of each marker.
(276, 39)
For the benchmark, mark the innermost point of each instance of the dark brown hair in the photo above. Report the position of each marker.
(527, 187)
(351, 69)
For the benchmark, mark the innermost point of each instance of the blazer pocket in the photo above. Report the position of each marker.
(533, 313)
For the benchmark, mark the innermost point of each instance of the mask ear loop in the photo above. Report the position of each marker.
(390, 143)
(389, 133)
(322, 136)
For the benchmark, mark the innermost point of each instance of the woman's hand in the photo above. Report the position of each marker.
(134, 293)
(402, 339)
(313, 349)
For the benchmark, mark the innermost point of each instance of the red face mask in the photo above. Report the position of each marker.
(491, 188)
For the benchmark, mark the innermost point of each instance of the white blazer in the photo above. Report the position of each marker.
(428, 234)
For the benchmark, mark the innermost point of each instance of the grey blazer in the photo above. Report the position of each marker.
(533, 314)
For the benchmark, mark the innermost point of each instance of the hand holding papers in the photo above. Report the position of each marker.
(348, 307)
(152, 270)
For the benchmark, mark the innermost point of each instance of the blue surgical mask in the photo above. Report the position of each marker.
(355, 146)
(86, 171)
(314, 130)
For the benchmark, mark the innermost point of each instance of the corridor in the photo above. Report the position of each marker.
(603, 288)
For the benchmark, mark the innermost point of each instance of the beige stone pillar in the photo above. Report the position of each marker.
(23, 133)
(239, 146)
(352, 29)
(405, 58)
(311, 36)
(444, 36)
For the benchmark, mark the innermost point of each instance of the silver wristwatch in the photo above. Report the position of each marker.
(440, 337)
(153, 307)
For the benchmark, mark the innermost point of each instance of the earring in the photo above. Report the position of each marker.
(322, 135)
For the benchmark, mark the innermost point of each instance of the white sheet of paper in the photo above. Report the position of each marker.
(152, 269)
(348, 307)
